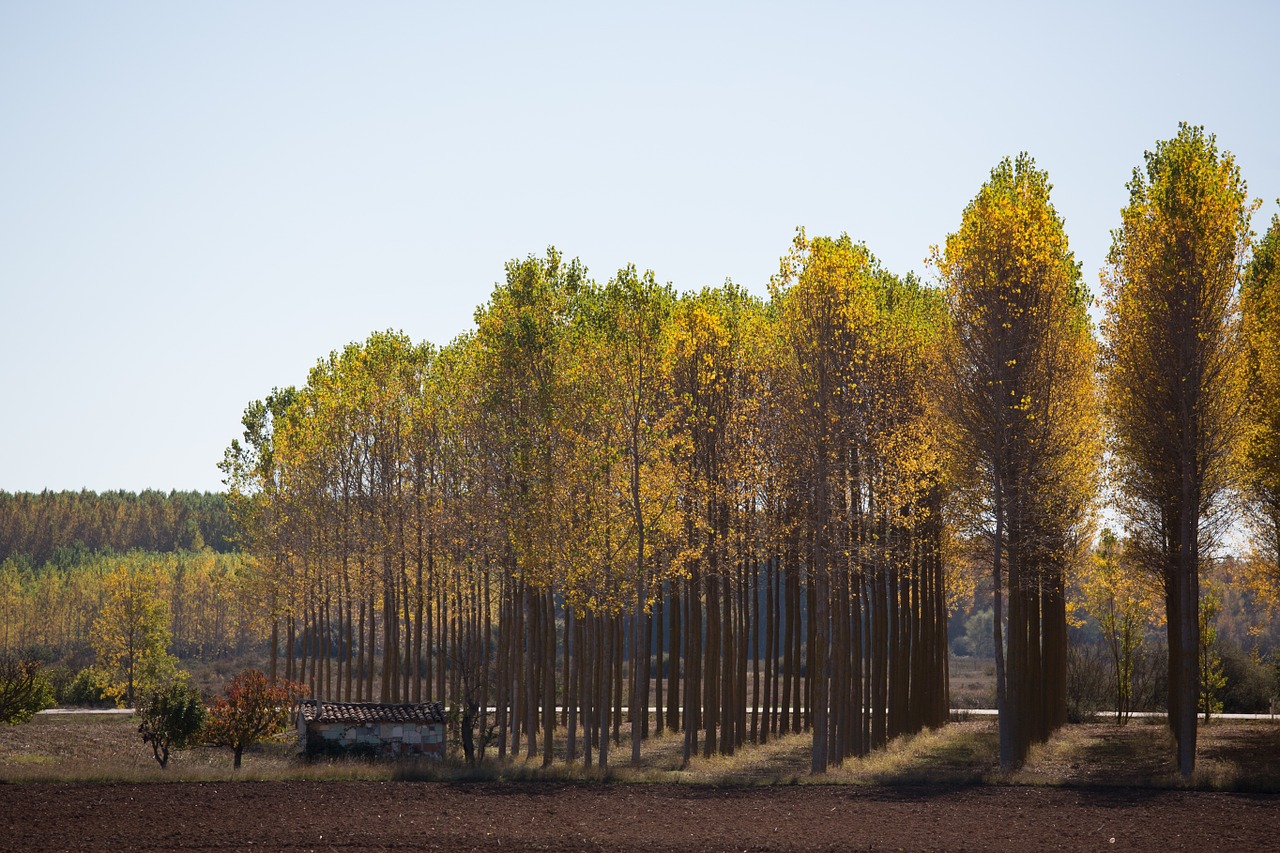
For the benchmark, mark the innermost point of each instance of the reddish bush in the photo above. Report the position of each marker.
(252, 708)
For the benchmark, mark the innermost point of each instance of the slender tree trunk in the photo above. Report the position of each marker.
(617, 637)
(1188, 620)
(275, 642)
(710, 664)
(693, 667)
(606, 679)
(658, 620)
(372, 654)
(419, 606)
(360, 661)
(548, 677)
(755, 651)
(789, 656)
(647, 674)
(997, 580)
(572, 680)
(676, 660)
(770, 722)
(530, 686)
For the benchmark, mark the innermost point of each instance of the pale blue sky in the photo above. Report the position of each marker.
(197, 201)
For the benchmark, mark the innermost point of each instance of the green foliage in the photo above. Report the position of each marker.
(171, 717)
(1250, 679)
(1213, 678)
(977, 638)
(24, 690)
(131, 636)
(85, 690)
(51, 610)
(1125, 604)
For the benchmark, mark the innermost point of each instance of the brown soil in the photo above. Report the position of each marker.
(87, 782)
(354, 816)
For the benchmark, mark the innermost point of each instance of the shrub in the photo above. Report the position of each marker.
(171, 718)
(1249, 681)
(23, 690)
(85, 691)
(1089, 680)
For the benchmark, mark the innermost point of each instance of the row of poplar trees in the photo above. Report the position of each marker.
(747, 514)
(610, 498)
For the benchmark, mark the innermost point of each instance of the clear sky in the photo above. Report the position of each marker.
(199, 200)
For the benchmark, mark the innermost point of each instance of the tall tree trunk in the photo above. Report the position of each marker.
(770, 722)
(1188, 619)
(275, 642)
(372, 654)
(755, 651)
(548, 676)
(606, 680)
(997, 579)
(676, 660)
(572, 680)
(660, 635)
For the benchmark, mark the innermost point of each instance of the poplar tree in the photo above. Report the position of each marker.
(1173, 370)
(1261, 458)
(1017, 403)
(522, 358)
(634, 314)
(824, 317)
(251, 473)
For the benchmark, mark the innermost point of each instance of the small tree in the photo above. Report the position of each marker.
(23, 690)
(252, 708)
(1213, 677)
(172, 717)
(131, 636)
(1125, 603)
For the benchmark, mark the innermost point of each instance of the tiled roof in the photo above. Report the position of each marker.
(371, 712)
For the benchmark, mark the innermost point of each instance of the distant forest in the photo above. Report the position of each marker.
(62, 527)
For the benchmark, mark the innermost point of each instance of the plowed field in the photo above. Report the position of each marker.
(354, 816)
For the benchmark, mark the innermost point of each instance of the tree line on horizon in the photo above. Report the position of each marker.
(65, 527)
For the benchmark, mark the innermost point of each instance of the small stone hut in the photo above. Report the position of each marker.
(370, 729)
